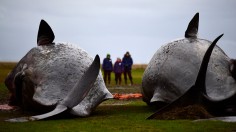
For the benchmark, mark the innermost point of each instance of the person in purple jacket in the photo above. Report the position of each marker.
(127, 62)
(118, 70)
(107, 68)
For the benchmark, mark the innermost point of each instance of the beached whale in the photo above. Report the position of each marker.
(172, 77)
(56, 77)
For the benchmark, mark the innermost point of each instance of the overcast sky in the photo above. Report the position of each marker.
(114, 26)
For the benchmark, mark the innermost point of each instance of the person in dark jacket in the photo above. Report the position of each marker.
(118, 70)
(127, 62)
(107, 68)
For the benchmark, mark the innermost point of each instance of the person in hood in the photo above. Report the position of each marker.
(107, 69)
(118, 70)
(127, 62)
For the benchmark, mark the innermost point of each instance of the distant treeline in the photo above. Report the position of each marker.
(141, 66)
(12, 64)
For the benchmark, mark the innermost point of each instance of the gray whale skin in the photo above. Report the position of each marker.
(174, 76)
(56, 77)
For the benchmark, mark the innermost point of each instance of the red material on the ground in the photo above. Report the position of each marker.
(127, 96)
(6, 107)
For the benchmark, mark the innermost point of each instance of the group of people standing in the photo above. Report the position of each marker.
(120, 66)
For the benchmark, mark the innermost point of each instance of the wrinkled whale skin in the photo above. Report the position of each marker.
(54, 70)
(173, 69)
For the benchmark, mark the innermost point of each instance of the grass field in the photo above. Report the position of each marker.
(111, 115)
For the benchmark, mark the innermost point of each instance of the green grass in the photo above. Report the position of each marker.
(5, 68)
(3, 93)
(111, 115)
(136, 74)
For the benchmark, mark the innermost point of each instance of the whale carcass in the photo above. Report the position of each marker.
(174, 73)
(56, 77)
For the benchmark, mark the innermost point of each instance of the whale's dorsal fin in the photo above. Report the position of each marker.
(192, 29)
(201, 78)
(82, 87)
(45, 34)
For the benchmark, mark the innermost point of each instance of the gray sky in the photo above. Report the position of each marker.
(114, 26)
